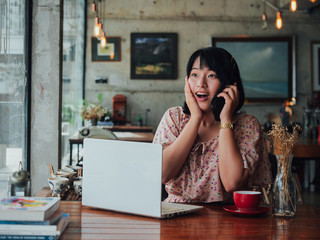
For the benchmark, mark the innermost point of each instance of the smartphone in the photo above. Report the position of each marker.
(217, 106)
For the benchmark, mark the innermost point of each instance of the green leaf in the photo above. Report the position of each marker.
(100, 96)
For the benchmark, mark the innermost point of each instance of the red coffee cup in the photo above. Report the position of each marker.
(247, 200)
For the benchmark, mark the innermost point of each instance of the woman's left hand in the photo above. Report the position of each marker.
(231, 97)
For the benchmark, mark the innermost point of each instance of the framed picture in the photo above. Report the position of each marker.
(315, 65)
(266, 66)
(110, 53)
(153, 56)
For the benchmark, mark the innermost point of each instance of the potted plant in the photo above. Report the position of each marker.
(93, 112)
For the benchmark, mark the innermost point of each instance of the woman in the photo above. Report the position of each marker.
(209, 150)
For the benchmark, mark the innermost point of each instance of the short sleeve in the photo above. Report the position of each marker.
(170, 126)
(253, 150)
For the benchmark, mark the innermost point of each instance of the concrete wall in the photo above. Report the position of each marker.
(195, 22)
(45, 91)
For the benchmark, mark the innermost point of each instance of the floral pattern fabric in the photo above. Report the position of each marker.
(198, 179)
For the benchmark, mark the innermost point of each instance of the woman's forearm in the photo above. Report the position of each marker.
(231, 168)
(176, 154)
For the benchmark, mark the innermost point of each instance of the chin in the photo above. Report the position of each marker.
(206, 109)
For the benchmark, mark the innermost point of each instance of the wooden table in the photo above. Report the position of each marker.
(128, 128)
(210, 223)
(307, 150)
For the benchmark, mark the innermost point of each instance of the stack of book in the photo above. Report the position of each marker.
(32, 218)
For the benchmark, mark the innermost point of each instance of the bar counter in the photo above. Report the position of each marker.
(212, 222)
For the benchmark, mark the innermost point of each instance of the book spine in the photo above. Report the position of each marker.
(28, 237)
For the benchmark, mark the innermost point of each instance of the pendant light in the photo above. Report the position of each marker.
(97, 26)
(103, 40)
(293, 5)
(279, 20)
(264, 18)
(293, 8)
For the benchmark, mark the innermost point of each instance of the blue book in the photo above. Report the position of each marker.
(27, 237)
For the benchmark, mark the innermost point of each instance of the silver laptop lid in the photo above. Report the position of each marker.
(122, 176)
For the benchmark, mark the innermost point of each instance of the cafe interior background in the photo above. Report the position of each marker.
(48, 66)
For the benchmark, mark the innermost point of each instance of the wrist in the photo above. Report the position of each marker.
(226, 125)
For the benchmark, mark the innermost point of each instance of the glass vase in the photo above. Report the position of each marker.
(284, 188)
(94, 122)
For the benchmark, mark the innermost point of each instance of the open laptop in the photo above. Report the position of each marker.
(125, 176)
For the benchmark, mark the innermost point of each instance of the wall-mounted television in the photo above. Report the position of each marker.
(266, 64)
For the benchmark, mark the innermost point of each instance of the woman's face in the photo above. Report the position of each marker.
(204, 85)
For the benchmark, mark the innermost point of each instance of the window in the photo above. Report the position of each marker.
(14, 82)
(74, 23)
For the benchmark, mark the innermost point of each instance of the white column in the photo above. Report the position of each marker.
(45, 91)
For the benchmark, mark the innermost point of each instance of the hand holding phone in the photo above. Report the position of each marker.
(226, 103)
(217, 106)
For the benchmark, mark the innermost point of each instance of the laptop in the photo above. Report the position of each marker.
(125, 176)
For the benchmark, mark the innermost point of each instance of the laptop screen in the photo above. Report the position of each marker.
(122, 176)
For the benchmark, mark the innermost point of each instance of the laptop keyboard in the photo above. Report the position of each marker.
(165, 209)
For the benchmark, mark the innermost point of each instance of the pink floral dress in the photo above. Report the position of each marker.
(198, 179)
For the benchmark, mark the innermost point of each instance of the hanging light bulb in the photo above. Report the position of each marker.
(94, 6)
(264, 16)
(293, 5)
(97, 28)
(313, 1)
(264, 19)
(279, 20)
(103, 40)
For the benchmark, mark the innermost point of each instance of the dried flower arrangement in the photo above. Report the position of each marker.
(283, 139)
(283, 143)
(93, 111)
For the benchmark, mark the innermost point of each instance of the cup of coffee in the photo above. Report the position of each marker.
(58, 185)
(247, 200)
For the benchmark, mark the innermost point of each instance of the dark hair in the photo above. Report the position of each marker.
(226, 68)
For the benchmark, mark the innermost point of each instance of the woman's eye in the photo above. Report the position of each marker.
(212, 76)
(194, 74)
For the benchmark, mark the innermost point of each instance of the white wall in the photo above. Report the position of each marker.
(196, 22)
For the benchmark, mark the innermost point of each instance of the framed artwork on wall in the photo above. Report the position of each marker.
(266, 64)
(110, 53)
(315, 65)
(153, 56)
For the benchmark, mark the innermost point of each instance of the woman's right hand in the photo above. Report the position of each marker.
(191, 101)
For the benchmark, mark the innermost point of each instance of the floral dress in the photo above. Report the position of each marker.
(198, 179)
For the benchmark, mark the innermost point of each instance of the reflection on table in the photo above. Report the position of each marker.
(210, 223)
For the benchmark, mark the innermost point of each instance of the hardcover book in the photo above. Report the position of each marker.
(51, 220)
(24, 231)
(28, 208)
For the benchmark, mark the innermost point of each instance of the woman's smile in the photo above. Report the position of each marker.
(202, 96)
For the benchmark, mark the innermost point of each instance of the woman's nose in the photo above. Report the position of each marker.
(202, 81)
